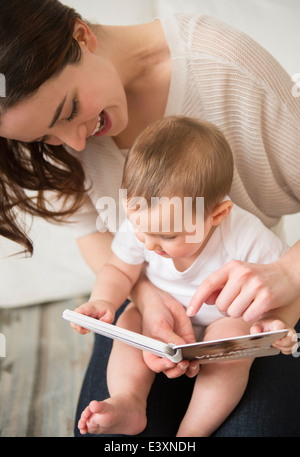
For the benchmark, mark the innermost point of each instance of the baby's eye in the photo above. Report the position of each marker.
(168, 238)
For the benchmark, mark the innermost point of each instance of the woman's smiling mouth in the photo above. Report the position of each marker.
(102, 125)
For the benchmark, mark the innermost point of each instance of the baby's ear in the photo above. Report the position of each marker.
(221, 211)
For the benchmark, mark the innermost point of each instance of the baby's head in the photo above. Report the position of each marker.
(179, 157)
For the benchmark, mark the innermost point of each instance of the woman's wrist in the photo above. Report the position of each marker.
(289, 264)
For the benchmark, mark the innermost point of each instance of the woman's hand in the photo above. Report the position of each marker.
(249, 290)
(165, 319)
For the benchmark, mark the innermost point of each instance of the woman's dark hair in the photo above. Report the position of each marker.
(36, 43)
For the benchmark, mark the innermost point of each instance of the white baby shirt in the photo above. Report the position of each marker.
(240, 236)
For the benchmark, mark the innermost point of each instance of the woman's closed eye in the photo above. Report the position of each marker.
(73, 115)
(75, 109)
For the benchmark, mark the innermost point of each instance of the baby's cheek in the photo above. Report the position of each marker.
(140, 236)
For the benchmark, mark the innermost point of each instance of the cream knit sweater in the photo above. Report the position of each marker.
(221, 75)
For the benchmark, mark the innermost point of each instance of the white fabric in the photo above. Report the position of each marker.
(240, 236)
(115, 11)
(56, 271)
(272, 23)
(103, 164)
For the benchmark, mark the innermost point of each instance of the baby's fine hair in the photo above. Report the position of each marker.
(180, 156)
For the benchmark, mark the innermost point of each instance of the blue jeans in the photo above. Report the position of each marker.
(270, 406)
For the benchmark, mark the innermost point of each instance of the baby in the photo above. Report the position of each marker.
(182, 240)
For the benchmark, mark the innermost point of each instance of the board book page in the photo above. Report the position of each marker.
(257, 345)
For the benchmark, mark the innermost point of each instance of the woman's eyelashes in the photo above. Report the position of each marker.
(75, 108)
(74, 113)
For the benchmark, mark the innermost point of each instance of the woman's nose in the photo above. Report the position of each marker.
(75, 137)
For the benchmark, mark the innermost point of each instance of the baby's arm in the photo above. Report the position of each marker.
(278, 319)
(112, 286)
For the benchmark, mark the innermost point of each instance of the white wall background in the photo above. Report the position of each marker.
(57, 271)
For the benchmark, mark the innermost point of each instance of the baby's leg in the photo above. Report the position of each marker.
(219, 386)
(129, 381)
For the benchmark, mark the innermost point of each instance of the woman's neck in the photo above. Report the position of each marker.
(142, 59)
(135, 50)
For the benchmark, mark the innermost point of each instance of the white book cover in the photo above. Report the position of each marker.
(241, 347)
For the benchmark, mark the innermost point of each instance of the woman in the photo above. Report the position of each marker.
(78, 95)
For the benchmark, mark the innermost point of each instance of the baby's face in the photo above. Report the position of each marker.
(168, 230)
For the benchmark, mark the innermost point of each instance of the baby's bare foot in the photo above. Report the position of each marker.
(122, 414)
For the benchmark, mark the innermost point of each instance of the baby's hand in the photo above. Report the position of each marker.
(286, 345)
(98, 309)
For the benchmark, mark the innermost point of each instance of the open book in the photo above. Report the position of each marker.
(206, 352)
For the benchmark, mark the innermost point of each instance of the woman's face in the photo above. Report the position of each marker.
(85, 99)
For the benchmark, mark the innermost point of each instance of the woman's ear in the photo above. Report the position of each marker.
(220, 212)
(84, 35)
